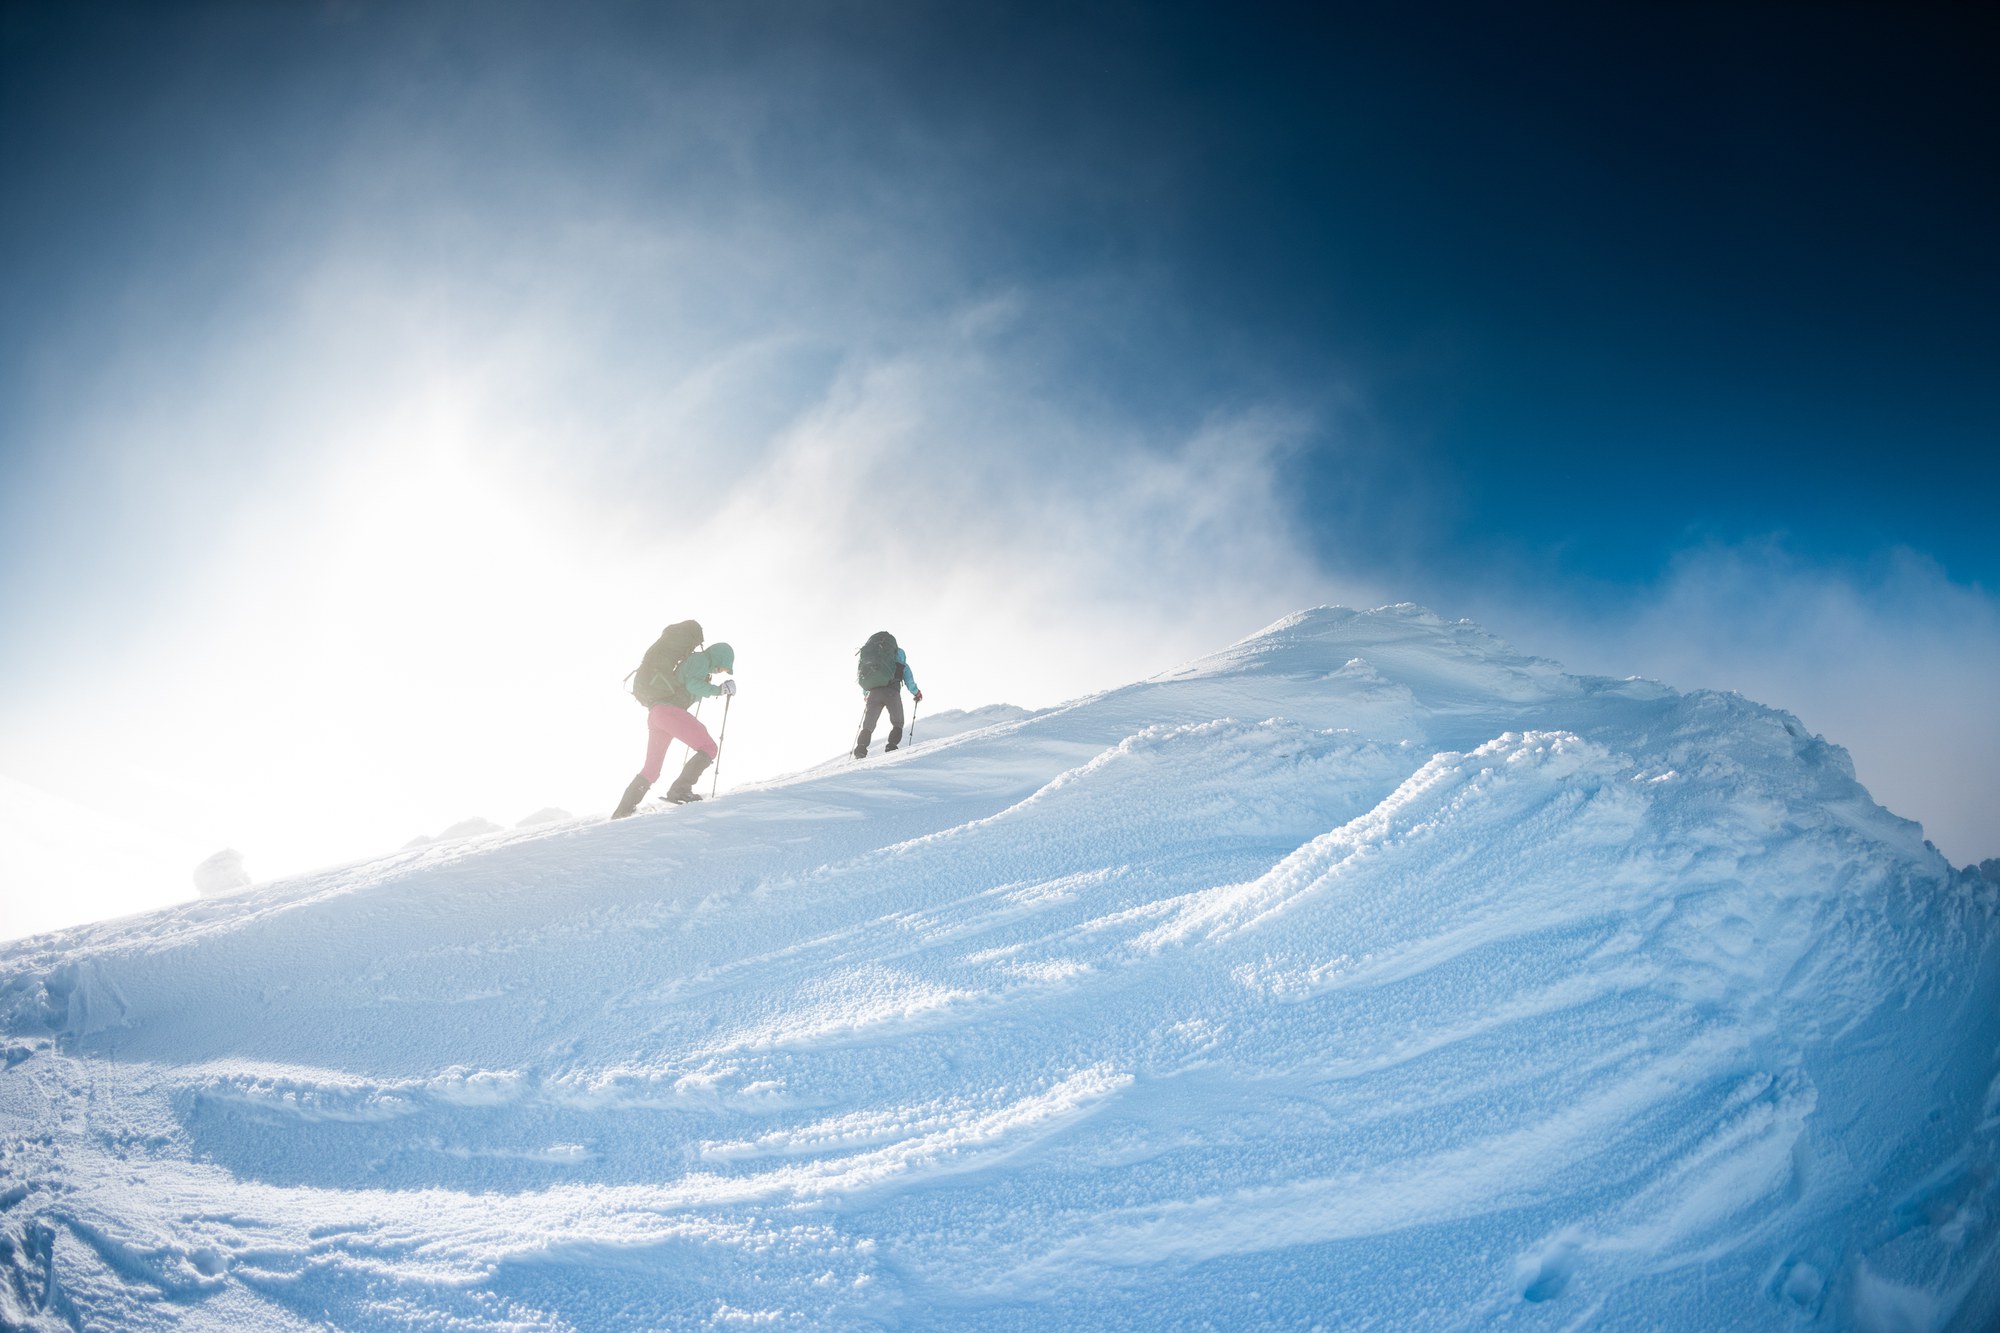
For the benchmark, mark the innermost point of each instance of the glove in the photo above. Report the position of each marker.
(728, 687)
(918, 697)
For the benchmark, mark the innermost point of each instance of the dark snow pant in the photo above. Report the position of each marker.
(879, 698)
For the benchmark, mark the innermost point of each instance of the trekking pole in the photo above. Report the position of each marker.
(723, 736)
(915, 704)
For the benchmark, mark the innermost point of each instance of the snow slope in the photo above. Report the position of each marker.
(1367, 974)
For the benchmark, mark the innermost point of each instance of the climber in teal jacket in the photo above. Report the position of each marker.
(883, 672)
(668, 694)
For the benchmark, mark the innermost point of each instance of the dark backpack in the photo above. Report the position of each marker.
(655, 682)
(878, 665)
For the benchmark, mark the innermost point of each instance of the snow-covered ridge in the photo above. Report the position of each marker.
(1365, 973)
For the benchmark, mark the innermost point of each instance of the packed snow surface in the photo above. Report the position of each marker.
(1366, 974)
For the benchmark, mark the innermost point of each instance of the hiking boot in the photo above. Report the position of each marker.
(634, 793)
(683, 789)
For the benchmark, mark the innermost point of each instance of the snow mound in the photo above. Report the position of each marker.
(477, 826)
(220, 874)
(1367, 973)
(957, 721)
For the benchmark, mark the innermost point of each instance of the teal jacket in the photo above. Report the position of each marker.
(700, 665)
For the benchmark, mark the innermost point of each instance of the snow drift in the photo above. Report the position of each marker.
(221, 874)
(1365, 974)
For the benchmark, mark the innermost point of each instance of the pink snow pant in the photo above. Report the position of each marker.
(666, 724)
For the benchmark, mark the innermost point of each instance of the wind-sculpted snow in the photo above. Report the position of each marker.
(1366, 974)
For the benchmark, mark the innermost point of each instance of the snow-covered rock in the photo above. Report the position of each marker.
(1364, 974)
(220, 874)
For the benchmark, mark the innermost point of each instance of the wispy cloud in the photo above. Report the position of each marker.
(346, 497)
(448, 496)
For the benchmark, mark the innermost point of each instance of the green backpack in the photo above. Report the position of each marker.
(878, 665)
(655, 682)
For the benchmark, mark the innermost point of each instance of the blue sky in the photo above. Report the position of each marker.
(1660, 338)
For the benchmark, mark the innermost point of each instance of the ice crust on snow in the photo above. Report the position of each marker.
(1366, 974)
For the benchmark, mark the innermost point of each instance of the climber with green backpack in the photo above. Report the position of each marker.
(673, 674)
(882, 671)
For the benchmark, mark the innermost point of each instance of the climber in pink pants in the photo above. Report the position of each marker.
(668, 689)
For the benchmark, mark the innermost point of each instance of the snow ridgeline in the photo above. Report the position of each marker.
(1365, 974)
